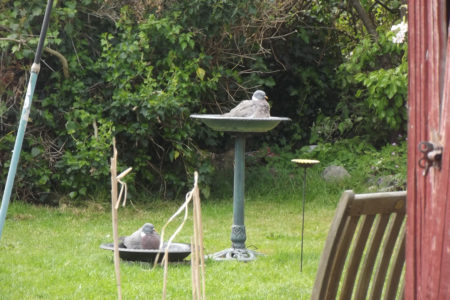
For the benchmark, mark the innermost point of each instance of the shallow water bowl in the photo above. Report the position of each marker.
(239, 124)
(177, 252)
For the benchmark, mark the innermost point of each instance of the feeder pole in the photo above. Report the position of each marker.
(24, 117)
(304, 163)
(303, 218)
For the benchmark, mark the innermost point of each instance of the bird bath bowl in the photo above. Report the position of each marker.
(239, 124)
(240, 127)
(177, 252)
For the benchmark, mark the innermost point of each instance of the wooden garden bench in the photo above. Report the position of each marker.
(364, 254)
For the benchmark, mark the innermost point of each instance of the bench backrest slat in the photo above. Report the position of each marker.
(364, 253)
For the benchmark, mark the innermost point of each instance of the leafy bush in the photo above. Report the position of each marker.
(41, 170)
(157, 82)
(136, 70)
(383, 89)
(372, 79)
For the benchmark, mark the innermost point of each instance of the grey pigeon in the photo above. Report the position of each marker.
(258, 107)
(144, 238)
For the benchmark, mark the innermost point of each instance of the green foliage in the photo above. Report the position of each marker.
(331, 128)
(372, 80)
(308, 87)
(158, 78)
(276, 174)
(386, 94)
(47, 163)
(384, 90)
(137, 70)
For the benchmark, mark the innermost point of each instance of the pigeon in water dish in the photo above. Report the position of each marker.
(258, 107)
(144, 238)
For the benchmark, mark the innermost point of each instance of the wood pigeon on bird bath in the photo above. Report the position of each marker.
(144, 238)
(258, 107)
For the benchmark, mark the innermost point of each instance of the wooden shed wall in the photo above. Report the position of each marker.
(428, 207)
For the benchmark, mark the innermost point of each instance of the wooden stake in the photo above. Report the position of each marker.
(197, 256)
(114, 201)
(198, 242)
(165, 260)
(194, 271)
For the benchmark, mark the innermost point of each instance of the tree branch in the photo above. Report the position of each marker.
(404, 8)
(365, 18)
(384, 6)
(61, 57)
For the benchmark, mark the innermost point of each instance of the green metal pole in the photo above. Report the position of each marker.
(24, 118)
(238, 235)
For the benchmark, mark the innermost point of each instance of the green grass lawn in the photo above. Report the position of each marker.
(53, 253)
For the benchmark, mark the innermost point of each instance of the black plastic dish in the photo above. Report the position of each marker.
(177, 252)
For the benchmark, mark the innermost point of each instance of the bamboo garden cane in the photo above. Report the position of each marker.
(116, 198)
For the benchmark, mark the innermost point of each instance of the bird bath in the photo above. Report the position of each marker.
(239, 124)
(241, 127)
(177, 252)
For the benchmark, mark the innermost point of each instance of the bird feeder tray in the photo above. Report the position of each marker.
(177, 252)
(239, 124)
(305, 163)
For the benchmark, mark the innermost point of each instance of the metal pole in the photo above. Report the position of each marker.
(35, 68)
(303, 218)
(238, 235)
(304, 163)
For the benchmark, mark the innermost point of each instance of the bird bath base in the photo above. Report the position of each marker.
(235, 254)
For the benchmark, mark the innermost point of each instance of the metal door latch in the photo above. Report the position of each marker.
(432, 155)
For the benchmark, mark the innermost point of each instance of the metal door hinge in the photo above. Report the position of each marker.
(432, 156)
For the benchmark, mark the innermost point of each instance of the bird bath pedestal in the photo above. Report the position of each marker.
(240, 127)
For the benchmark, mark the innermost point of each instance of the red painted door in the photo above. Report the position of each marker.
(428, 208)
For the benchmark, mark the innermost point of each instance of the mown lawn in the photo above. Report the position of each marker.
(53, 253)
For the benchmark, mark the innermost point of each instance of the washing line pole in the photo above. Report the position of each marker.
(24, 117)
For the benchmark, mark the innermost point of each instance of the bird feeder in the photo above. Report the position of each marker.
(304, 163)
